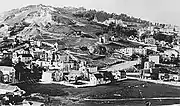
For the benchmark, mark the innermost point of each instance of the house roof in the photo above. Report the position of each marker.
(4, 88)
(26, 55)
(146, 70)
(98, 76)
(6, 67)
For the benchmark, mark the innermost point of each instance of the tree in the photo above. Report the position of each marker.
(20, 69)
(6, 62)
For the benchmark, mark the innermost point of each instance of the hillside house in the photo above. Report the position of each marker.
(129, 51)
(105, 38)
(152, 47)
(150, 40)
(171, 52)
(154, 58)
(140, 50)
(58, 57)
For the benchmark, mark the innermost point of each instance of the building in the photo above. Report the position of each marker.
(145, 73)
(43, 63)
(6, 88)
(171, 52)
(117, 22)
(105, 38)
(148, 65)
(154, 58)
(129, 51)
(47, 76)
(96, 79)
(7, 54)
(140, 50)
(7, 74)
(150, 40)
(119, 74)
(58, 57)
(26, 58)
(152, 47)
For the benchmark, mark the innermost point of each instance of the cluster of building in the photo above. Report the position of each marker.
(30, 59)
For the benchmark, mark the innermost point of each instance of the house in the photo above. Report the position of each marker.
(7, 54)
(89, 69)
(44, 55)
(129, 51)
(38, 43)
(1, 56)
(176, 47)
(174, 76)
(6, 88)
(96, 79)
(58, 57)
(148, 65)
(150, 40)
(154, 58)
(105, 38)
(119, 74)
(112, 20)
(164, 76)
(162, 43)
(43, 63)
(25, 58)
(73, 75)
(145, 73)
(58, 75)
(152, 47)
(171, 52)
(7, 74)
(82, 63)
(140, 50)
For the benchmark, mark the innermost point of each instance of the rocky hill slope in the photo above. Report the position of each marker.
(42, 22)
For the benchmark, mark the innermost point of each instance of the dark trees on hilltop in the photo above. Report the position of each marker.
(163, 37)
(102, 16)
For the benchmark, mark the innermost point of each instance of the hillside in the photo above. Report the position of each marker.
(47, 22)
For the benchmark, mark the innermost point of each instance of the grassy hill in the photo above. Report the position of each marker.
(47, 22)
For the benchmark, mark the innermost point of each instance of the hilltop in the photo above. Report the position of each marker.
(53, 22)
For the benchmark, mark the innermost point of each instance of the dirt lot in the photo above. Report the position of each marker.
(126, 89)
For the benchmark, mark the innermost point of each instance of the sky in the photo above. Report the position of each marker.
(163, 11)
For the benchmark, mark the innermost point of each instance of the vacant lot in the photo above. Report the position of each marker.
(119, 90)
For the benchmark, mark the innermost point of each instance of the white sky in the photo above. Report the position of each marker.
(167, 11)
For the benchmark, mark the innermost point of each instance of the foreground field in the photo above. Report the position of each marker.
(121, 90)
